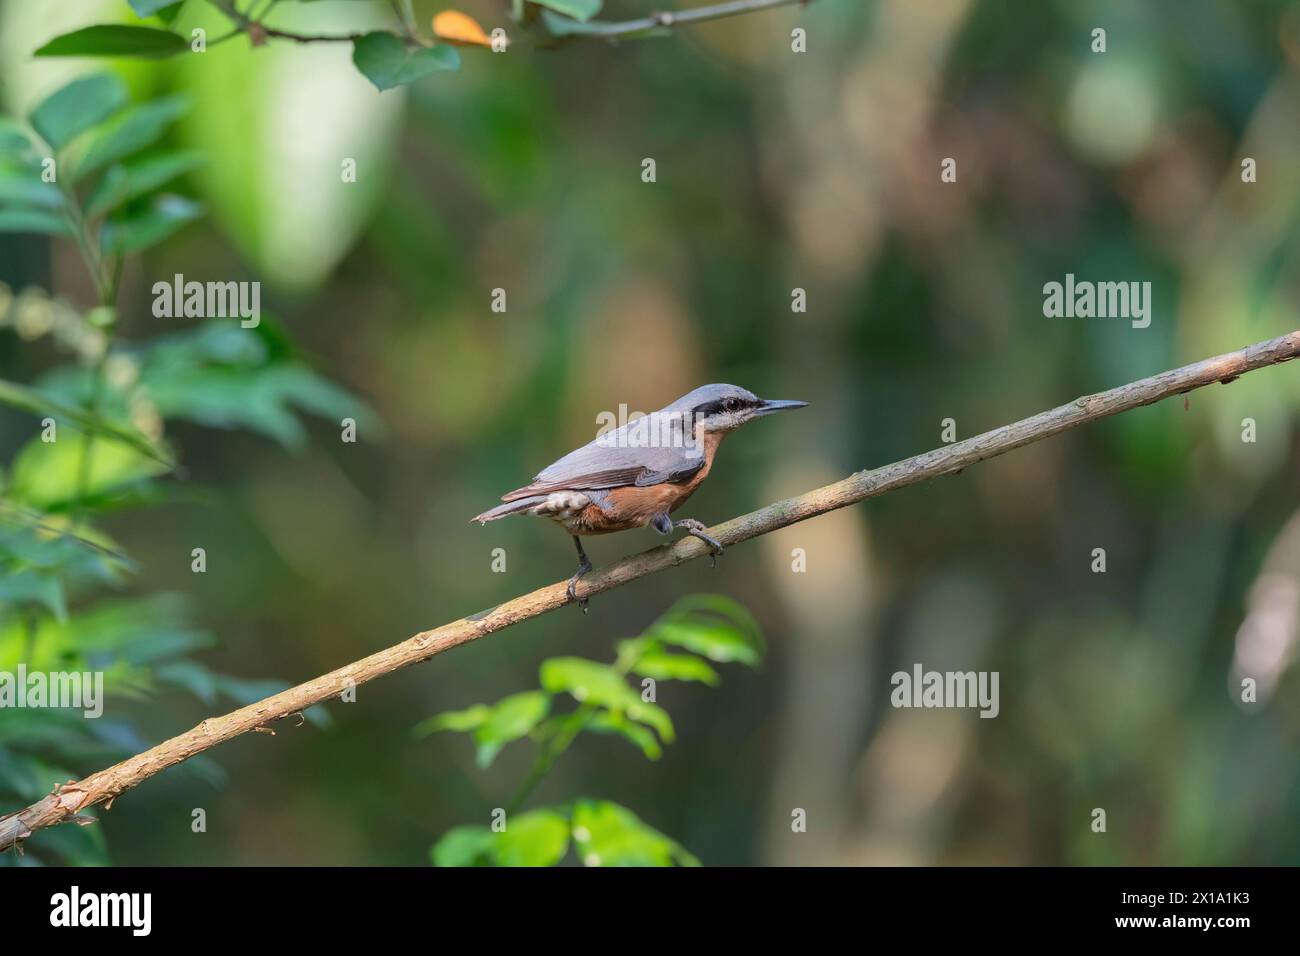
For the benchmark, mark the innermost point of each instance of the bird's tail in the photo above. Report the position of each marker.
(509, 508)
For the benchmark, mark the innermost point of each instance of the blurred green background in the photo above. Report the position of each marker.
(775, 171)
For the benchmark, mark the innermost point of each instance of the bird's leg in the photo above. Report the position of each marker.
(696, 529)
(584, 565)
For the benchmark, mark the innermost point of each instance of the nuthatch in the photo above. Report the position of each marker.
(639, 473)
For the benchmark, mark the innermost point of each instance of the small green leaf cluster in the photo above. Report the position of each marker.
(684, 645)
(599, 832)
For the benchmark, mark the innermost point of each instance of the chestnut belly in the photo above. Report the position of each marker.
(618, 509)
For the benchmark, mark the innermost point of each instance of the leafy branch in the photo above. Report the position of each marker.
(707, 627)
(388, 58)
(67, 800)
(87, 167)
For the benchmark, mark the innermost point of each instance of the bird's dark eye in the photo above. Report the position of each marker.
(731, 404)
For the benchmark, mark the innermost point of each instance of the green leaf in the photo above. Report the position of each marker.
(386, 61)
(723, 607)
(606, 834)
(60, 472)
(31, 400)
(222, 376)
(299, 386)
(33, 220)
(82, 104)
(139, 632)
(464, 846)
(714, 626)
(116, 40)
(190, 676)
(52, 543)
(33, 541)
(612, 722)
(13, 139)
(535, 838)
(164, 216)
(510, 718)
(716, 642)
(589, 682)
(663, 666)
(471, 718)
(32, 587)
(137, 178)
(581, 10)
(130, 132)
(25, 187)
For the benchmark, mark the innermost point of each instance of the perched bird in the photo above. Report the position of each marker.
(639, 473)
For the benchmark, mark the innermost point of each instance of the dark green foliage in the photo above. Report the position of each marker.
(101, 448)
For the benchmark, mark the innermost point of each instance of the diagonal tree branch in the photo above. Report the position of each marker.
(67, 800)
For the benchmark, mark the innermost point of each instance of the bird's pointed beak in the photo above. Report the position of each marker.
(771, 405)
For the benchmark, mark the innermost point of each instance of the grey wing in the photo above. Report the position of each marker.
(612, 461)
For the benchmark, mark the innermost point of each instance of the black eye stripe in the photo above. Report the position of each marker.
(722, 405)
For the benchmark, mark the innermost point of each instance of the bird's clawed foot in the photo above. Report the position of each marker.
(584, 565)
(697, 529)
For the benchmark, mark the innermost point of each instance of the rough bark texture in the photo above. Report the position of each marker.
(68, 799)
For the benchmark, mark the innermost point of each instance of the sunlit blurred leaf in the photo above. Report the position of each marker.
(509, 719)
(663, 666)
(714, 626)
(606, 834)
(471, 718)
(464, 846)
(589, 682)
(535, 838)
(275, 143)
(34, 401)
(613, 722)
(60, 472)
